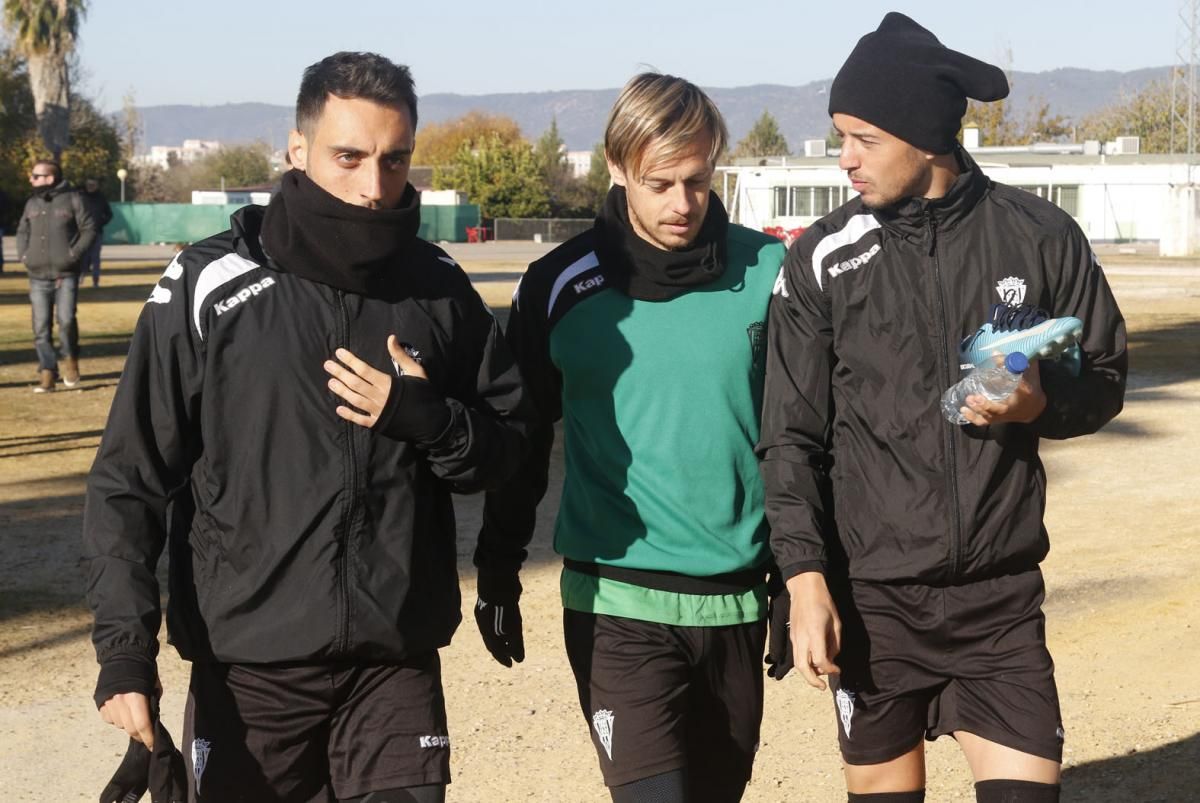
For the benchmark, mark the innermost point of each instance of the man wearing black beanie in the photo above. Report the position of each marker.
(911, 547)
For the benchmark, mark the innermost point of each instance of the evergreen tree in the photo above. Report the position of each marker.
(764, 139)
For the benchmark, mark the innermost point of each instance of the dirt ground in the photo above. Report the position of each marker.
(1123, 599)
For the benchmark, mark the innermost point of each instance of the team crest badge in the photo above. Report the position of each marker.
(602, 721)
(200, 751)
(1011, 290)
(757, 332)
(845, 707)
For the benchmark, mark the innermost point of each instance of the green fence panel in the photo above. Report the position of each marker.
(448, 223)
(136, 224)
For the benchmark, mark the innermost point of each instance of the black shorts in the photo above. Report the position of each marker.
(922, 661)
(658, 697)
(314, 732)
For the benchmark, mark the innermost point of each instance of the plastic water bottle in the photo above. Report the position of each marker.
(995, 384)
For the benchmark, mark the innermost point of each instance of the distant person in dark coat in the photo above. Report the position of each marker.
(3, 215)
(54, 235)
(97, 204)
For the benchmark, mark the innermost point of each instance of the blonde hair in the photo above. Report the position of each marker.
(667, 112)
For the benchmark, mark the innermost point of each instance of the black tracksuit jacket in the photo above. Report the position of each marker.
(294, 535)
(861, 470)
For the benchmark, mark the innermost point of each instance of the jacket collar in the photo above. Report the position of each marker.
(49, 193)
(911, 217)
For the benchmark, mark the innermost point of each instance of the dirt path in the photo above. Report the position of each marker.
(1123, 600)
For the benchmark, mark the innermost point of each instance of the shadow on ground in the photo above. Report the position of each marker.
(18, 293)
(89, 347)
(1147, 777)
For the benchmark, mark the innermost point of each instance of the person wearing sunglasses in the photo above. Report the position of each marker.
(55, 233)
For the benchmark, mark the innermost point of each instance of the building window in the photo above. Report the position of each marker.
(781, 202)
(807, 201)
(1065, 198)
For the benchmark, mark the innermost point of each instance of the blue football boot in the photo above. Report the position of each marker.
(1029, 330)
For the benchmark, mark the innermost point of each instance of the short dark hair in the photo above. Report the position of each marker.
(53, 165)
(347, 75)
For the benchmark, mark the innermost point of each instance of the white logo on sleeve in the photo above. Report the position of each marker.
(845, 707)
(243, 295)
(780, 288)
(854, 263)
(433, 741)
(160, 294)
(1011, 290)
(200, 751)
(602, 721)
(588, 284)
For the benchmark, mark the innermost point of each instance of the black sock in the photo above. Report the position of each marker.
(887, 797)
(664, 788)
(1007, 791)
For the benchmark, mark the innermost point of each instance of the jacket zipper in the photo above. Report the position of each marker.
(344, 562)
(948, 438)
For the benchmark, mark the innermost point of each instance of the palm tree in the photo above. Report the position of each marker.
(44, 32)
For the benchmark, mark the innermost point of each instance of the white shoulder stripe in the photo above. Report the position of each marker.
(448, 260)
(584, 263)
(852, 232)
(213, 275)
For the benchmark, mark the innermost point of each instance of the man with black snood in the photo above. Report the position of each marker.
(910, 545)
(313, 562)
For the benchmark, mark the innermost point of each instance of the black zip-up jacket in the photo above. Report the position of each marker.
(295, 536)
(859, 464)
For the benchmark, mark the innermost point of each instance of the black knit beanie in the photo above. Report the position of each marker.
(903, 80)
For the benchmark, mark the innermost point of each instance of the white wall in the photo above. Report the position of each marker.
(1158, 202)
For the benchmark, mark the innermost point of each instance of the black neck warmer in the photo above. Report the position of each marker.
(308, 232)
(647, 273)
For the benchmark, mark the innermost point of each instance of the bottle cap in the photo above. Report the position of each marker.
(1016, 362)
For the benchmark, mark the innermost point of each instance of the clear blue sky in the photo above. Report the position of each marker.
(221, 51)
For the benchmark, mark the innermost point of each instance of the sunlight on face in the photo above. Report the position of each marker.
(668, 201)
(882, 168)
(358, 151)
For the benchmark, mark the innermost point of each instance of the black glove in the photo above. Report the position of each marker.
(415, 411)
(162, 771)
(779, 637)
(498, 616)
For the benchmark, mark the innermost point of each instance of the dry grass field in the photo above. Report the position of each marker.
(1123, 601)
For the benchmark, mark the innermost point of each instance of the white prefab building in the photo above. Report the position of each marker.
(1115, 197)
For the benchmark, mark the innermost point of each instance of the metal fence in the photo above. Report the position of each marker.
(135, 223)
(545, 230)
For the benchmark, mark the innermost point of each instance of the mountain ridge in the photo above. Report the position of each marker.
(581, 114)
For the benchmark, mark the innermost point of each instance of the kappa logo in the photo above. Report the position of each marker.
(243, 295)
(854, 263)
(200, 750)
(845, 707)
(160, 294)
(602, 721)
(780, 288)
(1011, 290)
(433, 741)
(588, 284)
